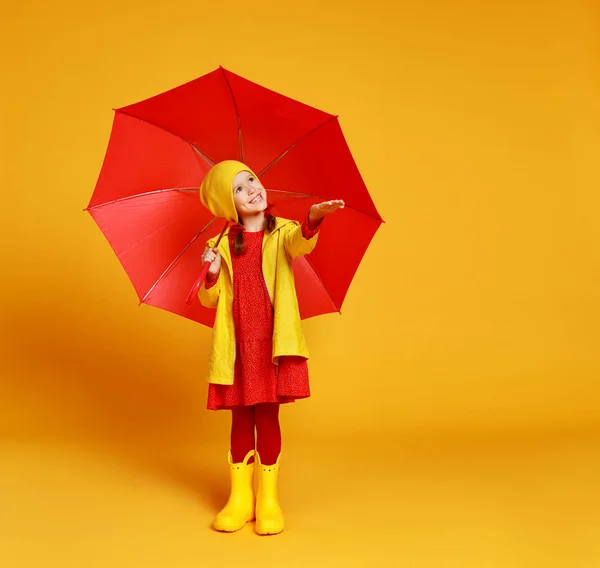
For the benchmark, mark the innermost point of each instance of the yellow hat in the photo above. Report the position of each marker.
(216, 191)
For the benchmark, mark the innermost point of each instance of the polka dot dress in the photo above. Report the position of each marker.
(256, 378)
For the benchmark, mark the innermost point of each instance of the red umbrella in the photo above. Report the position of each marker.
(146, 200)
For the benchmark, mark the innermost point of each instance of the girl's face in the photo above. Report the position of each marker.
(249, 195)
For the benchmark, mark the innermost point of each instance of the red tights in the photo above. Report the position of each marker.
(265, 417)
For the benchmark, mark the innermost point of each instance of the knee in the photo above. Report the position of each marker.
(266, 415)
(242, 415)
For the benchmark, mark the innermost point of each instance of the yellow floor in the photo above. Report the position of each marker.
(434, 502)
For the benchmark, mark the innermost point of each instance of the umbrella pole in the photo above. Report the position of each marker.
(204, 272)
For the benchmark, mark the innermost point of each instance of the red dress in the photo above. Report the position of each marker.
(256, 379)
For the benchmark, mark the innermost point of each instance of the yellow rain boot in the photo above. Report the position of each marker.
(239, 508)
(269, 517)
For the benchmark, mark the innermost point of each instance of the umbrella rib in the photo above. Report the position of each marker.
(269, 166)
(237, 114)
(165, 190)
(208, 159)
(174, 261)
(322, 283)
(147, 236)
(298, 195)
(290, 194)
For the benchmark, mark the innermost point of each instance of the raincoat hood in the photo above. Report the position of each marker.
(216, 191)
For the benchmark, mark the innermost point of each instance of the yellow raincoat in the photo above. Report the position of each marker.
(280, 247)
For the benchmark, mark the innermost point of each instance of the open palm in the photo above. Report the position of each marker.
(319, 210)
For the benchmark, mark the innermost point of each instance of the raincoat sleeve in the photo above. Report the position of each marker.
(209, 297)
(296, 244)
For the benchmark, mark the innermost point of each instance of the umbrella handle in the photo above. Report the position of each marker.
(198, 282)
(205, 268)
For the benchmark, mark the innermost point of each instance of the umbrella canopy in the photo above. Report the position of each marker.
(146, 200)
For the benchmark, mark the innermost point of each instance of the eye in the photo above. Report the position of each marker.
(250, 178)
(238, 189)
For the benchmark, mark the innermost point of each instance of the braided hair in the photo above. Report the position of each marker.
(239, 246)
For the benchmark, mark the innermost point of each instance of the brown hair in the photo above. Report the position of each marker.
(239, 247)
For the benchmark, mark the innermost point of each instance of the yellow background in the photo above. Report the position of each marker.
(455, 410)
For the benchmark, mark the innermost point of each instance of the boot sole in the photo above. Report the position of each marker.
(269, 532)
(225, 528)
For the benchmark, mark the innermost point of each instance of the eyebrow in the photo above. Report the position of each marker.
(248, 175)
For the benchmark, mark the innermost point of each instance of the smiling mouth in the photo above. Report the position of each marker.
(256, 199)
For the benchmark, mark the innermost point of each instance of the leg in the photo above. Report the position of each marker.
(268, 433)
(240, 506)
(269, 517)
(242, 433)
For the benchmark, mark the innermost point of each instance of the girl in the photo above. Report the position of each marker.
(258, 356)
